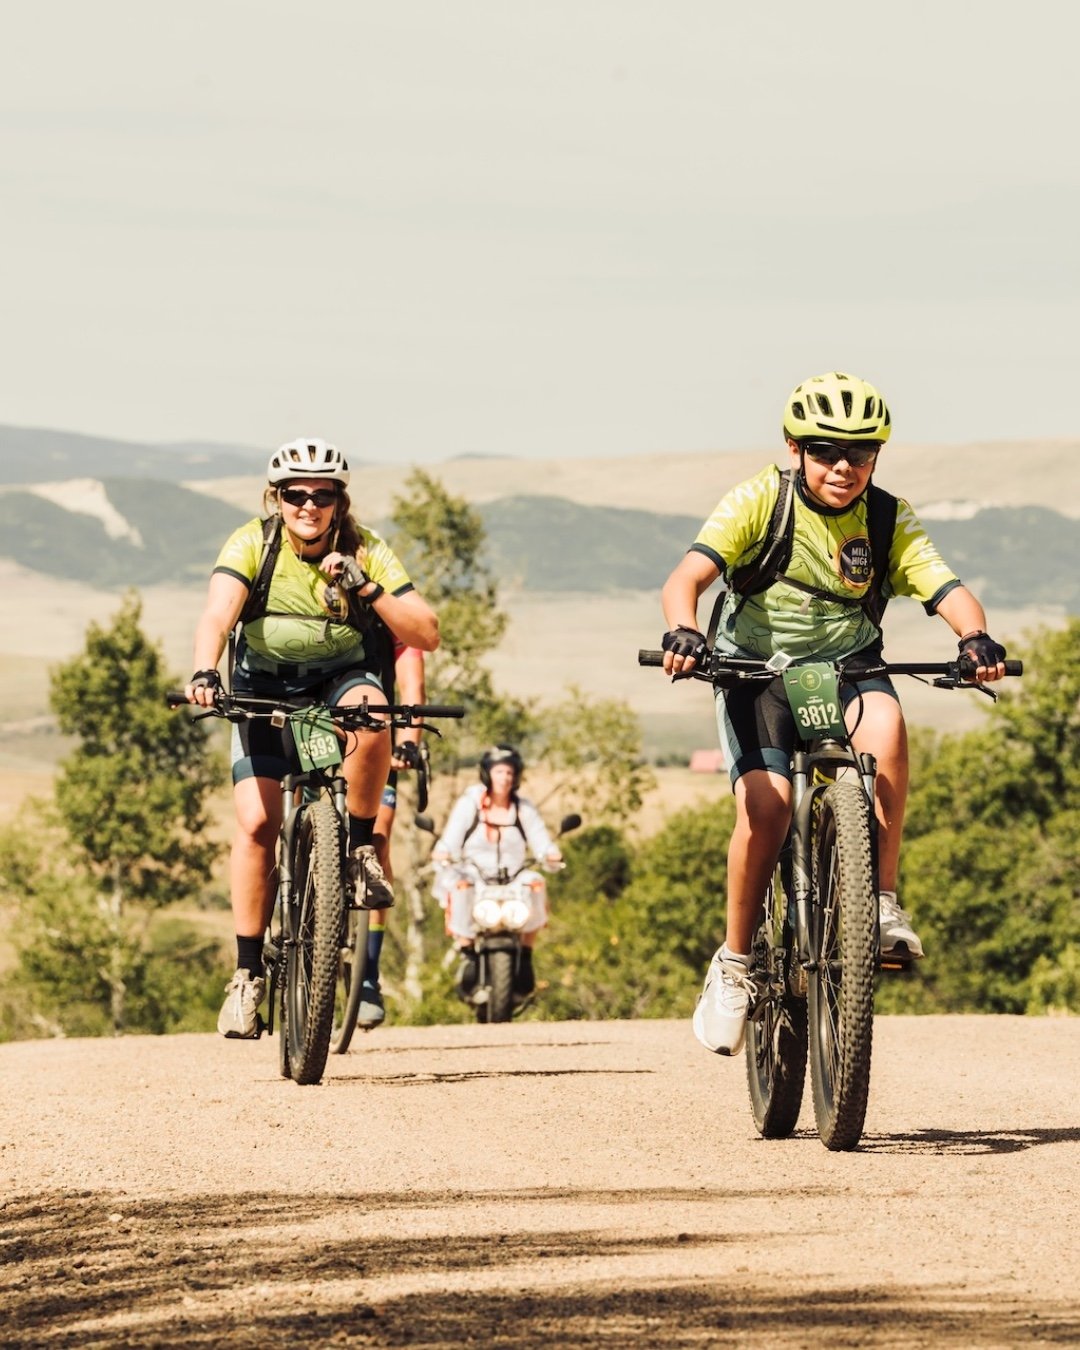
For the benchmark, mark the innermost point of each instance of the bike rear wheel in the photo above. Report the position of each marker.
(776, 1034)
(352, 960)
(844, 948)
(311, 964)
(499, 1006)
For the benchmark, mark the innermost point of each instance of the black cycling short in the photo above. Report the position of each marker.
(260, 750)
(757, 728)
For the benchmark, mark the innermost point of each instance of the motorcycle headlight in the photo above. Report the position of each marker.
(486, 912)
(515, 913)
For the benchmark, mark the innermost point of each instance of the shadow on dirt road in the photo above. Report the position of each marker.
(85, 1269)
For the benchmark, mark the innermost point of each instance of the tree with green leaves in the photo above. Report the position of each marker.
(593, 745)
(131, 802)
(991, 854)
(441, 537)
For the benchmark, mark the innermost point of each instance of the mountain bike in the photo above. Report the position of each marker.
(316, 946)
(816, 950)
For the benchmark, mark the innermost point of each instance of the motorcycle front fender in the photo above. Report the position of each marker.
(497, 942)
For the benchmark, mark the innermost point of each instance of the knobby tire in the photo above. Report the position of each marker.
(776, 1035)
(352, 960)
(844, 942)
(312, 964)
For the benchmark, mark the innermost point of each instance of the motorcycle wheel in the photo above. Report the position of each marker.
(500, 986)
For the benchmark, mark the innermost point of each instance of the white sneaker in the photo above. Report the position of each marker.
(898, 938)
(373, 890)
(239, 1016)
(720, 1016)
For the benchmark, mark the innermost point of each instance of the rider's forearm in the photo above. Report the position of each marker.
(685, 587)
(409, 619)
(210, 642)
(962, 612)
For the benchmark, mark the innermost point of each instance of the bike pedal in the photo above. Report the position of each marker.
(895, 964)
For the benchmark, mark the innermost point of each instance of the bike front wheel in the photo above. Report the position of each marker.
(311, 965)
(352, 960)
(776, 1034)
(844, 951)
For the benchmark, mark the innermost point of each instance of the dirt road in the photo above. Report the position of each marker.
(537, 1185)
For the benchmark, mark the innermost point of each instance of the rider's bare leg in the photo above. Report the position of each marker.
(763, 814)
(253, 859)
(367, 757)
(883, 733)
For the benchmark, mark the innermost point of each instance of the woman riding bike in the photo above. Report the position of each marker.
(319, 630)
(495, 829)
(812, 607)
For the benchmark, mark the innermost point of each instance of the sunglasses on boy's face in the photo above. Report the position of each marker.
(319, 497)
(825, 452)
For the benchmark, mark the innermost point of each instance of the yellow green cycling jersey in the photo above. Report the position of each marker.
(298, 628)
(830, 553)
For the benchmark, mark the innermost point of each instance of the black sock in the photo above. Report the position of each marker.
(361, 830)
(249, 955)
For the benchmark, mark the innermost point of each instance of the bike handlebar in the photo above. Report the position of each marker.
(248, 706)
(716, 664)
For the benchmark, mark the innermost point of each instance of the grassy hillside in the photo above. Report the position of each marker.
(37, 455)
(1015, 555)
(550, 544)
(180, 532)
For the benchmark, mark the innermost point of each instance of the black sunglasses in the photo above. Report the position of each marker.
(825, 452)
(319, 497)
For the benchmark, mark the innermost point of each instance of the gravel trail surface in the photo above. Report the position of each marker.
(538, 1184)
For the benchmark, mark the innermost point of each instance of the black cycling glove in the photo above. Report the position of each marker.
(206, 679)
(685, 642)
(409, 754)
(980, 649)
(352, 576)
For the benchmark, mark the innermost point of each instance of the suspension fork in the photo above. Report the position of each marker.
(799, 848)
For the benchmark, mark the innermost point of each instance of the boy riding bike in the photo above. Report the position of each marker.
(799, 562)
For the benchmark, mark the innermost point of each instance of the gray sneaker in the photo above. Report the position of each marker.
(373, 891)
(898, 939)
(372, 1011)
(239, 1017)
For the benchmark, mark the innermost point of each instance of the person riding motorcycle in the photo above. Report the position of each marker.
(492, 829)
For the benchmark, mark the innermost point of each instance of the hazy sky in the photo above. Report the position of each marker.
(433, 227)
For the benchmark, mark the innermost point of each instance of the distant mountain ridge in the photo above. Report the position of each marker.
(117, 532)
(35, 455)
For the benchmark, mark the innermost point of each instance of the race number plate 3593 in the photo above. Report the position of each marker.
(317, 744)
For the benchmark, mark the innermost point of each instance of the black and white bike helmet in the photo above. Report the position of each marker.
(308, 457)
(501, 754)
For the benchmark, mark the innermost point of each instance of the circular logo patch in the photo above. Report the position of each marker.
(854, 561)
(810, 680)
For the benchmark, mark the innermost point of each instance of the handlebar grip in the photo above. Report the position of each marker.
(1014, 667)
(647, 657)
(175, 698)
(438, 710)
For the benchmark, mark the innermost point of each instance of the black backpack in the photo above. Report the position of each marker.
(378, 639)
(775, 554)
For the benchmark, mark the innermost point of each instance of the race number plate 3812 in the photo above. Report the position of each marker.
(813, 694)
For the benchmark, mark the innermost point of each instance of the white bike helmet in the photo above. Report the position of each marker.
(308, 458)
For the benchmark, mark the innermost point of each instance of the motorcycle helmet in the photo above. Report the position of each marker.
(501, 754)
(307, 458)
(837, 407)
